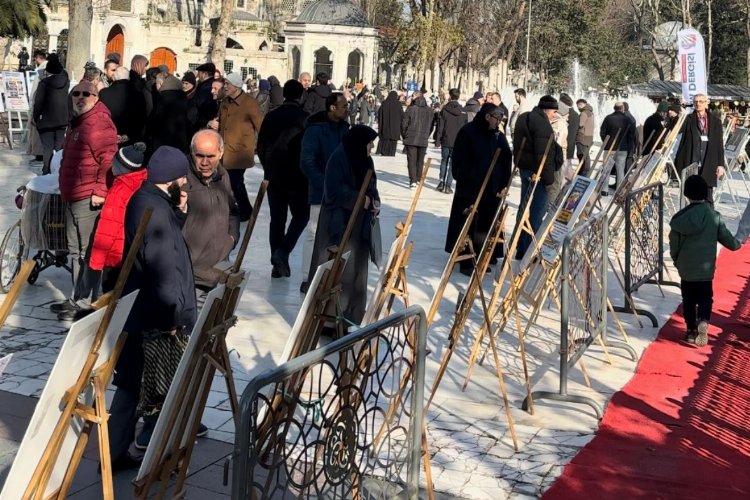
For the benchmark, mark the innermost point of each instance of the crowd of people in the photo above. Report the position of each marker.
(139, 137)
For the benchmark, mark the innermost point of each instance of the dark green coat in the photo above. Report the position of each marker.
(692, 241)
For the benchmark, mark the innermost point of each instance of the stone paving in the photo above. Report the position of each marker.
(470, 445)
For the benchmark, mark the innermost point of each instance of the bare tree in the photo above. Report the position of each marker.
(79, 36)
(219, 33)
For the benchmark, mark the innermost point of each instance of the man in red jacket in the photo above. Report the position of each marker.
(88, 150)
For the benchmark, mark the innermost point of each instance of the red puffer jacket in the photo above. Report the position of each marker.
(109, 238)
(89, 147)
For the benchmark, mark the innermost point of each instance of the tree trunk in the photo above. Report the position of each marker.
(219, 35)
(79, 37)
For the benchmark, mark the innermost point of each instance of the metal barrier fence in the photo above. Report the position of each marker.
(343, 421)
(583, 308)
(644, 245)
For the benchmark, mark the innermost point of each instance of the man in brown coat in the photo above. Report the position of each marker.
(238, 123)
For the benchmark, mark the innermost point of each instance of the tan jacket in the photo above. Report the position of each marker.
(239, 123)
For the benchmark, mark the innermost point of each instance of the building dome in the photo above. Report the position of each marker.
(332, 12)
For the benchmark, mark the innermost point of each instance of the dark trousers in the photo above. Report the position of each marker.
(415, 162)
(537, 210)
(52, 140)
(80, 224)
(697, 300)
(123, 417)
(584, 157)
(446, 175)
(237, 181)
(281, 201)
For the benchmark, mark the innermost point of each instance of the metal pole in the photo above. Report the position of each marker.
(528, 42)
(605, 260)
(661, 233)
(628, 249)
(417, 405)
(564, 344)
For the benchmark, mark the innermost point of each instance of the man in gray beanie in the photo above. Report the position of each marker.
(164, 309)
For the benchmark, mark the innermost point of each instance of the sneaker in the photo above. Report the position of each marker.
(448, 190)
(412, 185)
(276, 272)
(59, 307)
(440, 186)
(303, 287)
(702, 338)
(690, 336)
(202, 431)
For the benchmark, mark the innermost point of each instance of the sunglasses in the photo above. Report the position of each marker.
(78, 93)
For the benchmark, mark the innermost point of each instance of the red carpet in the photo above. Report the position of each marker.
(679, 428)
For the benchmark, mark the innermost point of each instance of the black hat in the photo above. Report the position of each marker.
(54, 66)
(189, 77)
(207, 68)
(676, 108)
(167, 164)
(696, 188)
(128, 159)
(547, 102)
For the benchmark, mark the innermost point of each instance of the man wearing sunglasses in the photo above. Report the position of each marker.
(88, 150)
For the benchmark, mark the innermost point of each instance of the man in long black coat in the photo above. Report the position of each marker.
(473, 150)
(203, 107)
(653, 129)
(127, 106)
(390, 115)
(702, 143)
(415, 130)
(279, 147)
(166, 301)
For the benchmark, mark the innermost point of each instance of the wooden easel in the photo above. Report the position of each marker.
(481, 264)
(392, 283)
(93, 415)
(15, 290)
(324, 309)
(174, 449)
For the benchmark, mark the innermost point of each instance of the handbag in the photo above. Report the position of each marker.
(376, 241)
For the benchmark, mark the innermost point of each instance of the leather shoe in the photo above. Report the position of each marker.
(59, 307)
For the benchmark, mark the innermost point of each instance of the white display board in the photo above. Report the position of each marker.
(64, 374)
(14, 88)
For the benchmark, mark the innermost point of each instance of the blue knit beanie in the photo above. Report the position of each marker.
(166, 165)
(264, 85)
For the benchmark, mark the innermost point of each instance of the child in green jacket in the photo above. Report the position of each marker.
(692, 243)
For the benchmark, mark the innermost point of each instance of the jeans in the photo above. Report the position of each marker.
(237, 181)
(621, 160)
(80, 224)
(415, 162)
(536, 211)
(697, 296)
(446, 176)
(52, 140)
(280, 201)
(309, 242)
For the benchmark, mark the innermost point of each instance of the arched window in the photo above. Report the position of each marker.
(295, 62)
(323, 61)
(354, 66)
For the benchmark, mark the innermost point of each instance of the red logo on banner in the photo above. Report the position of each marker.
(688, 41)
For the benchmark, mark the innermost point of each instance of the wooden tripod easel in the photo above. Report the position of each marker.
(474, 288)
(181, 416)
(392, 282)
(324, 309)
(98, 378)
(15, 290)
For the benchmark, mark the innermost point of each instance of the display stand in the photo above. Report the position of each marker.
(324, 308)
(171, 446)
(54, 471)
(392, 283)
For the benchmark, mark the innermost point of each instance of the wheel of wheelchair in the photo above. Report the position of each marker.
(13, 252)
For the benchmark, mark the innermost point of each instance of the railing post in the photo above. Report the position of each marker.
(564, 316)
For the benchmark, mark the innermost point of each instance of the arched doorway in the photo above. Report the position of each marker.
(116, 43)
(354, 66)
(323, 62)
(165, 56)
(62, 46)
